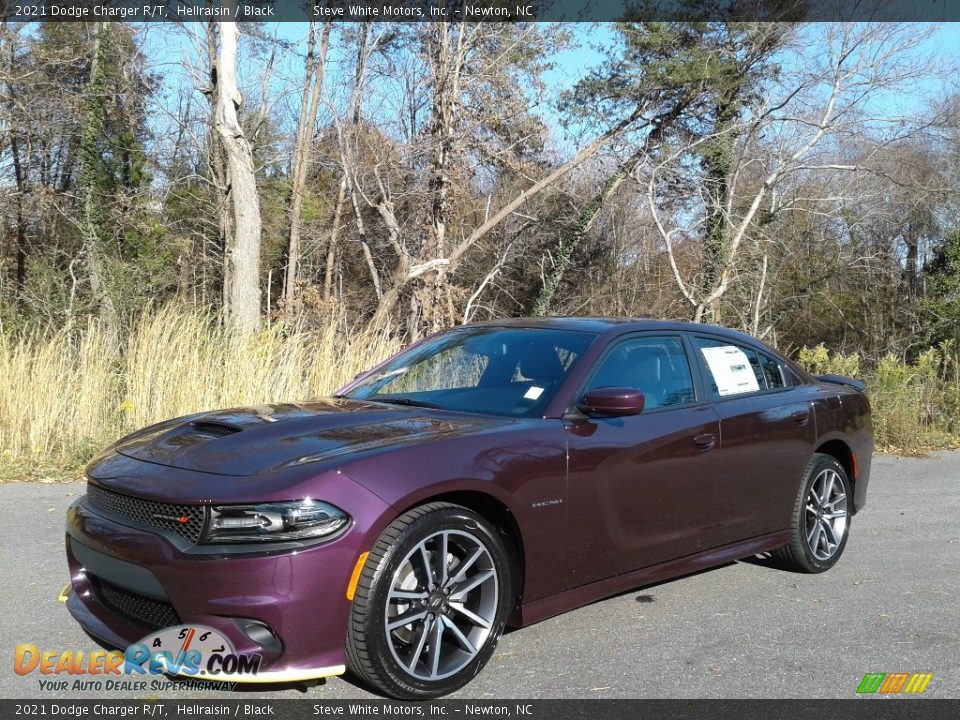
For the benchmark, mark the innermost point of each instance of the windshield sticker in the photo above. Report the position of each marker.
(533, 393)
(731, 370)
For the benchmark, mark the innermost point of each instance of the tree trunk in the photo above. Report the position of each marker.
(343, 138)
(215, 283)
(718, 161)
(911, 238)
(309, 104)
(242, 256)
(334, 240)
(447, 67)
(89, 185)
(20, 250)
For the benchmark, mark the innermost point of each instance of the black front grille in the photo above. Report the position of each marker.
(185, 520)
(142, 609)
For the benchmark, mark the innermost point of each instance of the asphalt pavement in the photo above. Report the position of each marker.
(742, 630)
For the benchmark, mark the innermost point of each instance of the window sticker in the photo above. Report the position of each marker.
(731, 370)
(533, 393)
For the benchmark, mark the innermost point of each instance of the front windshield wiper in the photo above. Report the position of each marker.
(407, 401)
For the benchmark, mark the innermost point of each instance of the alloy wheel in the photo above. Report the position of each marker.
(826, 514)
(442, 604)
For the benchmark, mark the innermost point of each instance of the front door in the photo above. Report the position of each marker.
(641, 489)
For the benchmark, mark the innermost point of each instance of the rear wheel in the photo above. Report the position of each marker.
(820, 523)
(431, 603)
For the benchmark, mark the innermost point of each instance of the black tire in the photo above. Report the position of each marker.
(818, 531)
(399, 662)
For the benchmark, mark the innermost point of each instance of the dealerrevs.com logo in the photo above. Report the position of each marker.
(894, 683)
(192, 651)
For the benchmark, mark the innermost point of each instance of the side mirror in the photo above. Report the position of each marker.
(613, 401)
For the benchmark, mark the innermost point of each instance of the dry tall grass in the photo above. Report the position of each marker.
(64, 394)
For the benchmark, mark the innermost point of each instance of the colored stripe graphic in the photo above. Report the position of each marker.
(871, 683)
(893, 683)
(918, 683)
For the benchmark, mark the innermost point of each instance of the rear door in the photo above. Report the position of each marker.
(767, 435)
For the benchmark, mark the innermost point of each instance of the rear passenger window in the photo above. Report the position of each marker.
(791, 379)
(737, 370)
(731, 369)
(771, 372)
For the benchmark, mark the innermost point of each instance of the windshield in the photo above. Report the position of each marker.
(491, 370)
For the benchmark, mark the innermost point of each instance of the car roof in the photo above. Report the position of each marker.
(616, 326)
(604, 324)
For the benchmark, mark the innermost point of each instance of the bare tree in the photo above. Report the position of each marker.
(241, 290)
(19, 171)
(346, 140)
(410, 268)
(309, 105)
(793, 131)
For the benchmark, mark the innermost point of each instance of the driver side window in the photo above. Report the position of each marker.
(657, 366)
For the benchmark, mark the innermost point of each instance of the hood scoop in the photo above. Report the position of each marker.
(215, 429)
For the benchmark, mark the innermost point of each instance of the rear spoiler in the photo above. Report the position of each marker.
(857, 385)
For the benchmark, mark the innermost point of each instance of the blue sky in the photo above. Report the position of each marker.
(166, 50)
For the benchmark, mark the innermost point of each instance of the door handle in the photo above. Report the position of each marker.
(800, 417)
(706, 441)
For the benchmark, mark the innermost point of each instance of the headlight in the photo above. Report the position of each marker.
(274, 522)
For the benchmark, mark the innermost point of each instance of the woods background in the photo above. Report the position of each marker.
(202, 215)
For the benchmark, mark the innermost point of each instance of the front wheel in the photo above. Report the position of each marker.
(431, 603)
(820, 523)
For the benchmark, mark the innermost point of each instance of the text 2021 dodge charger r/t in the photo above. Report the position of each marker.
(496, 473)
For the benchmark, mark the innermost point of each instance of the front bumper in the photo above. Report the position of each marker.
(298, 594)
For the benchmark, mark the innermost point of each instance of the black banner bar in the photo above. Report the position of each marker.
(855, 709)
(479, 10)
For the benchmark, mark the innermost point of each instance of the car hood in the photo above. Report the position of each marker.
(268, 438)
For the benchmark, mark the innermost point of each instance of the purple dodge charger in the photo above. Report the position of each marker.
(497, 473)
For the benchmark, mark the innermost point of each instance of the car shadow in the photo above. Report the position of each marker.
(766, 560)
